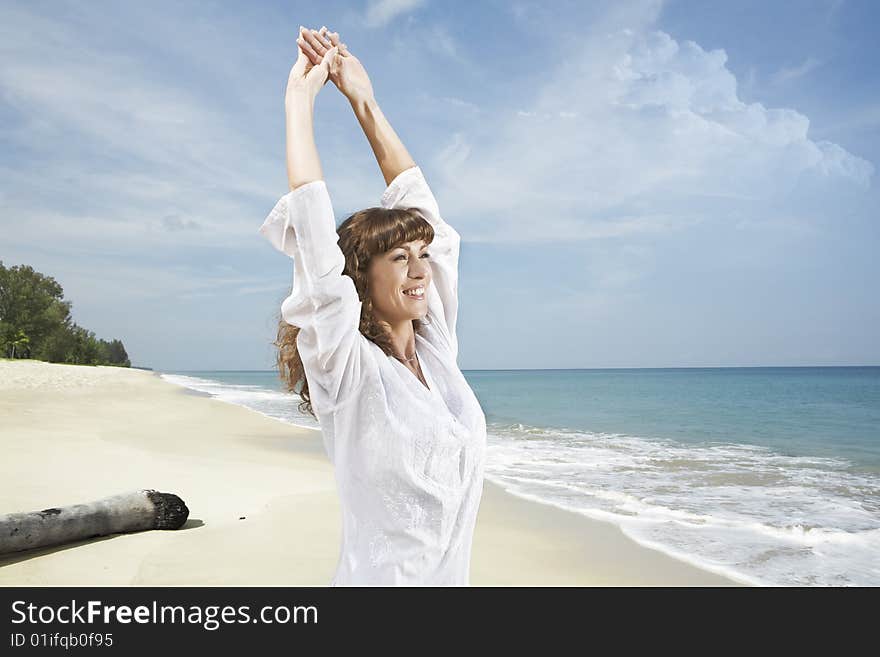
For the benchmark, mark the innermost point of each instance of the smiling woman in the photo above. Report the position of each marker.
(380, 267)
(399, 274)
(368, 333)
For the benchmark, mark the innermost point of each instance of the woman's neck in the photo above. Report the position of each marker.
(403, 338)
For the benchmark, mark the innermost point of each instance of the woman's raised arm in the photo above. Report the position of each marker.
(323, 302)
(305, 81)
(391, 154)
(350, 77)
(405, 184)
(303, 163)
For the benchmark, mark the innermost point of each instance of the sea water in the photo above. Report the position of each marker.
(769, 475)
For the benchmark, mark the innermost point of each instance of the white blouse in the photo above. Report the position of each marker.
(409, 460)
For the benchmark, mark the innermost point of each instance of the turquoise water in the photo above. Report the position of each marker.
(768, 475)
(816, 411)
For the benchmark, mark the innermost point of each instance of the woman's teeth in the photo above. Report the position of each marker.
(415, 293)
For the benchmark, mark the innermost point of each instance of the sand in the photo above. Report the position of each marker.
(261, 494)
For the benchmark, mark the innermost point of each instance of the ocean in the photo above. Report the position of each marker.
(769, 475)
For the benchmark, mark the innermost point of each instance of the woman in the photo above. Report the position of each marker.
(369, 332)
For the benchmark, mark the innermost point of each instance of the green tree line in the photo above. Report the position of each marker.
(35, 322)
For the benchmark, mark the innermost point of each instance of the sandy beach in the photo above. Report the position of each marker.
(261, 495)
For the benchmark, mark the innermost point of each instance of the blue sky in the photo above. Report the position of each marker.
(636, 183)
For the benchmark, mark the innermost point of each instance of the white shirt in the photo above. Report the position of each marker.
(408, 460)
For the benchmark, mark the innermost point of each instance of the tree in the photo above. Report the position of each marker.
(35, 322)
(30, 302)
(56, 346)
(21, 343)
(114, 352)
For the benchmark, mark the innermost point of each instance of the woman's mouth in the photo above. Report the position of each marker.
(415, 293)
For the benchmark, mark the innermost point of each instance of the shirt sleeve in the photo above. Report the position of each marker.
(324, 302)
(410, 189)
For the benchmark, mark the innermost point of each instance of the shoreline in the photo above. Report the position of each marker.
(261, 493)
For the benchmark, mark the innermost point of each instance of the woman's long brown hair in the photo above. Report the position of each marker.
(362, 236)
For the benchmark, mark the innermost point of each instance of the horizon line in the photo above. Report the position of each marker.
(584, 369)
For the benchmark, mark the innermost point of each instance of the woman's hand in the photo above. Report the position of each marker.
(307, 77)
(345, 70)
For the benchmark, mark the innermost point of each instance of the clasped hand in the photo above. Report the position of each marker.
(322, 57)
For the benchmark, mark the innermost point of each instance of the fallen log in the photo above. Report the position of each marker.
(132, 511)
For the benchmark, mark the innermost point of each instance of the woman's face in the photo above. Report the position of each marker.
(402, 268)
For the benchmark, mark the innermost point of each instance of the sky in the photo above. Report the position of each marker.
(637, 183)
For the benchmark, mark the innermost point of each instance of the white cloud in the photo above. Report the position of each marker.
(438, 40)
(660, 141)
(863, 117)
(463, 104)
(381, 12)
(454, 153)
(174, 223)
(787, 74)
(833, 7)
(430, 41)
(143, 155)
(100, 279)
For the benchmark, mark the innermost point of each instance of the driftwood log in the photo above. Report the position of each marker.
(133, 511)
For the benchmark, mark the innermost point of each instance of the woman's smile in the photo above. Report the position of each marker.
(416, 293)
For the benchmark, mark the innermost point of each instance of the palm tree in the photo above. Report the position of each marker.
(21, 340)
